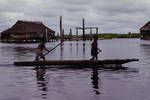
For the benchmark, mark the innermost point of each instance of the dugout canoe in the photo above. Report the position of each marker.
(74, 62)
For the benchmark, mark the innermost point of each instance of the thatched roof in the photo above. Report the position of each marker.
(146, 27)
(28, 27)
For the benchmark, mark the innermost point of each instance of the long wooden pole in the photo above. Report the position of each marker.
(83, 28)
(61, 36)
(61, 30)
(53, 48)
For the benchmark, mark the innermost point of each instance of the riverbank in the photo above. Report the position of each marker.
(79, 37)
(113, 35)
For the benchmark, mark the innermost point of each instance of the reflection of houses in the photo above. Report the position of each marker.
(27, 31)
(145, 31)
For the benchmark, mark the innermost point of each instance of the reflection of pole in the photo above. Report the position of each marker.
(61, 51)
(83, 25)
(63, 36)
(83, 50)
(77, 49)
(70, 50)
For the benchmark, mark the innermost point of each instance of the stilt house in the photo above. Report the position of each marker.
(145, 31)
(27, 31)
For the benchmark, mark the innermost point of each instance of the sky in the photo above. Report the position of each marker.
(110, 16)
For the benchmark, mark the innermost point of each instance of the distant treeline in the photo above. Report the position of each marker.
(103, 36)
(113, 35)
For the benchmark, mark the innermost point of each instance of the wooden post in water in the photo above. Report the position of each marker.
(76, 34)
(70, 34)
(46, 36)
(63, 35)
(61, 30)
(83, 28)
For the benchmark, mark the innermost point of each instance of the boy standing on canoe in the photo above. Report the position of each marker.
(94, 49)
(39, 51)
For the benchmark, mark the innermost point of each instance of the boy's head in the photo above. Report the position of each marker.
(95, 37)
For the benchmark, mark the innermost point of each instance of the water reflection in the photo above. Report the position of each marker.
(15, 52)
(70, 49)
(146, 49)
(61, 51)
(41, 80)
(64, 86)
(145, 55)
(95, 80)
(83, 50)
(77, 49)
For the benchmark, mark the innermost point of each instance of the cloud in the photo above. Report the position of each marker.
(120, 16)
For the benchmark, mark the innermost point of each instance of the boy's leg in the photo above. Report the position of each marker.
(36, 59)
(96, 57)
(43, 57)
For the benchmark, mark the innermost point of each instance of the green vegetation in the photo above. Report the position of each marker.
(110, 36)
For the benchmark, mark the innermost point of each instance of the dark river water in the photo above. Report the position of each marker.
(28, 83)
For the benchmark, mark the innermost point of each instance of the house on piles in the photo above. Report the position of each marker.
(145, 31)
(27, 31)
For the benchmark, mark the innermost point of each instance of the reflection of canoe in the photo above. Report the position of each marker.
(75, 62)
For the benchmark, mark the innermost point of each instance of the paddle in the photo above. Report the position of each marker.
(99, 50)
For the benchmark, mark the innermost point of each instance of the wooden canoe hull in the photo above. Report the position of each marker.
(75, 62)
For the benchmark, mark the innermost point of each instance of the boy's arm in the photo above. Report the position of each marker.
(45, 48)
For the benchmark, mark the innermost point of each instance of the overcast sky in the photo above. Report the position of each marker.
(113, 16)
